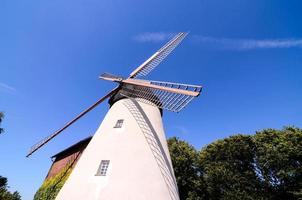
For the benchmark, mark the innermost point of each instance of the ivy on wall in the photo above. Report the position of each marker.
(51, 187)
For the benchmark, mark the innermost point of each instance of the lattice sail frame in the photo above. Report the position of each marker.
(158, 57)
(45, 140)
(171, 101)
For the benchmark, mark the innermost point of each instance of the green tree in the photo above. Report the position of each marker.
(4, 193)
(228, 168)
(184, 159)
(263, 166)
(1, 118)
(279, 158)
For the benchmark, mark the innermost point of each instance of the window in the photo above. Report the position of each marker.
(119, 123)
(102, 171)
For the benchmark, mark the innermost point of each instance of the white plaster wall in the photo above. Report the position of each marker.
(137, 170)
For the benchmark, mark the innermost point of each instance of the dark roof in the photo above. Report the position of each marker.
(80, 143)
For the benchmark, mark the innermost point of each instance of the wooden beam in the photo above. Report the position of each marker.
(137, 70)
(50, 137)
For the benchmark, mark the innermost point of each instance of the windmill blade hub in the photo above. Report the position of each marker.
(111, 77)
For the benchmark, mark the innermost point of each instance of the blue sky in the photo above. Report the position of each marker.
(246, 54)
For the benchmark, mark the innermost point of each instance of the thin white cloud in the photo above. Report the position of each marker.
(224, 43)
(247, 44)
(6, 88)
(153, 37)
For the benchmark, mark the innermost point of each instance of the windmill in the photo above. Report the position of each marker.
(128, 157)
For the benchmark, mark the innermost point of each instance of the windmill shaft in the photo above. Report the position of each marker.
(46, 140)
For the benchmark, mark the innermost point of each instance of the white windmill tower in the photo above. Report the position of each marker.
(128, 157)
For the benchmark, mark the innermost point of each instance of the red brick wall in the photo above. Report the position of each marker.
(67, 158)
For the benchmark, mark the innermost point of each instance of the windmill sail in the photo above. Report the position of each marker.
(158, 57)
(170, 96)
(50, 137)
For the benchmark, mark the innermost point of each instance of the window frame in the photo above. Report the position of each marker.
(103, 168)
(119, 123)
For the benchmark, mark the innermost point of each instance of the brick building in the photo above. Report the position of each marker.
(67, 157)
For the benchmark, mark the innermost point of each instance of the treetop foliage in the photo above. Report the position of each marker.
(1, 118)
(266, 165)
(4, 193)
